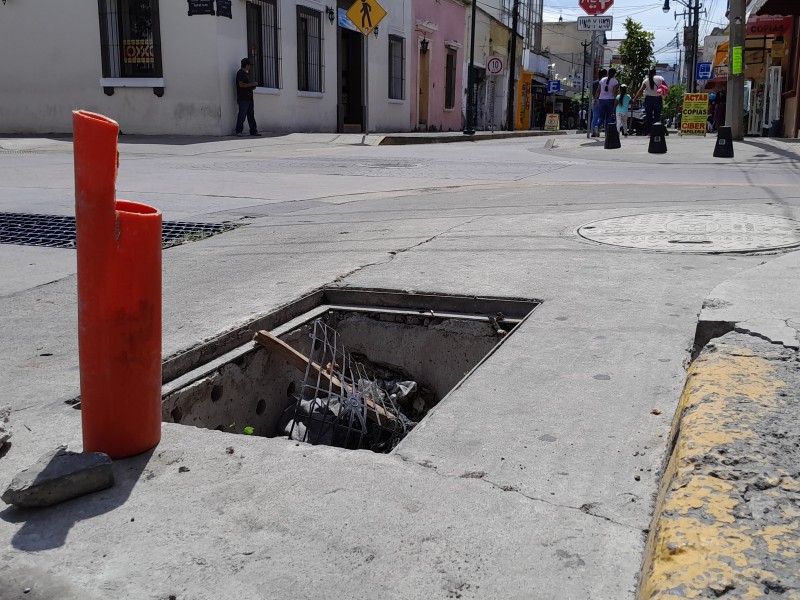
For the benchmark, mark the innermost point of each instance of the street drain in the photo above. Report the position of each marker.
(57, 231)
(696, 231)
(235, 385)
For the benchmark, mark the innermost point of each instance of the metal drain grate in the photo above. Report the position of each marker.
(54, 231)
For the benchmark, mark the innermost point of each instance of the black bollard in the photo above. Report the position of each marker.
(612, 137)
(724, 146)
(658, 140)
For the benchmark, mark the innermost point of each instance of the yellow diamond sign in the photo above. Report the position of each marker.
(366, 14)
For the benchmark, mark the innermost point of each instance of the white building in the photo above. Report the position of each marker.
(168, 66)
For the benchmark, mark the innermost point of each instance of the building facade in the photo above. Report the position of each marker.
(437, 65)
(168, 67)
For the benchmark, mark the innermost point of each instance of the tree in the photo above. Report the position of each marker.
(673, 101)
(636, 53)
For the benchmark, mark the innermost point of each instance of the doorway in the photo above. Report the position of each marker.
(351, 77)
(424, 85)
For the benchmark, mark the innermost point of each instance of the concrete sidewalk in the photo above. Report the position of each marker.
(534, 479)
(727, 521)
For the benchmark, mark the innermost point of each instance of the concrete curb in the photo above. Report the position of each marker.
(727, 517)
(446, 138)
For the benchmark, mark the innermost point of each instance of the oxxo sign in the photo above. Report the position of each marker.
(495, 66)
(595, 7)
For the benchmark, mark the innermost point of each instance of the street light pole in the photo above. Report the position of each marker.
(470, 128)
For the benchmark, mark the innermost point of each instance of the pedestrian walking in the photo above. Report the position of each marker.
(596, 104)
(583, 119)
(653, 99)
(244, 98)
(621, 105)
(606, 93)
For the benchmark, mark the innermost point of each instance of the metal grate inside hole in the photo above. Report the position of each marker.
(57, 231)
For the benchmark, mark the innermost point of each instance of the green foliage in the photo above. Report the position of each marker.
(248, 430)
(674, 100)
(636, 53)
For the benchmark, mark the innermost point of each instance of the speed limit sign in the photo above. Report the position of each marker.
(495, 65)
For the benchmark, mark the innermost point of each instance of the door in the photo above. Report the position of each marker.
(351, 77)
(424, 85)
(772, 97)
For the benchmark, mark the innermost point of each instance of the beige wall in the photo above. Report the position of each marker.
(51, 65)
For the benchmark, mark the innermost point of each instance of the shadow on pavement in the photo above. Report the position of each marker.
(795, 156)
(47, 528)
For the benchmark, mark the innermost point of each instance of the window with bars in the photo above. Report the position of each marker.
(262, 42)
(130, 38)
(309, 49)
(396, 67)
(450, 80)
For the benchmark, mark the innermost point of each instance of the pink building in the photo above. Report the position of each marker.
(437, 64)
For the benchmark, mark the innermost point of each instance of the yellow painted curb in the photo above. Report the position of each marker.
(727, 518)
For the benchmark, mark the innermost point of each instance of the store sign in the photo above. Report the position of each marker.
(552, 123)
(769, 25)
(224, 8)
(694, 117)
(201, 7)
(138, 52)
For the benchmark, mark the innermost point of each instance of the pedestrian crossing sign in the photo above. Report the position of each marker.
(365, 15)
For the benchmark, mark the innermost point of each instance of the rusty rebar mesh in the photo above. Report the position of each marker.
(342, 403)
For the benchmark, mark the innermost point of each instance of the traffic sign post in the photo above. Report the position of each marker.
(705, 71)
(553, 87)
(596, 23)
(366, 14)
(495, 65)
(595, 7)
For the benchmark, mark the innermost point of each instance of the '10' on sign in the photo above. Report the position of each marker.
(595, 7)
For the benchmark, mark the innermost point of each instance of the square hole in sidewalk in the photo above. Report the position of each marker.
(346, 367)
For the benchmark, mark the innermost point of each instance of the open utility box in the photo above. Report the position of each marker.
(236, 385)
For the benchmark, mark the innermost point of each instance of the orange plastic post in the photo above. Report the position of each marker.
(119, 300)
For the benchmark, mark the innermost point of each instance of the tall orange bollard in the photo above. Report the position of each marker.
(119, 300)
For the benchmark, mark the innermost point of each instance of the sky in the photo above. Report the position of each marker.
(650, 14)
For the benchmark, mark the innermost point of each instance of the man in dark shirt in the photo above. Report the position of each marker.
(244, 97)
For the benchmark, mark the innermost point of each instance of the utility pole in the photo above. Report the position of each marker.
(584, 97)
(734, 107)
(695, 43)
(470, 128)
(511, 117)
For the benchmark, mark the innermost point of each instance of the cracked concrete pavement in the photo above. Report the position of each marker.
(567, 422)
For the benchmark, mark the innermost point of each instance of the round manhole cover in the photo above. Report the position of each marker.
(695, 232)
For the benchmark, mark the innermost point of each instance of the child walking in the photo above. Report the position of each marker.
(621, 104)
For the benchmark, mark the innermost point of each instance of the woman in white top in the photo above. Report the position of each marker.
(653, 101)
(605, 94)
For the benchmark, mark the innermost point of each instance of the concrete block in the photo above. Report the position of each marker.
(58, 476)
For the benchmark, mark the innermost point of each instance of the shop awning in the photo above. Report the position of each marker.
(722, 54)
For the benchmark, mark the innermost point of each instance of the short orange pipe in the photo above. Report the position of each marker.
(119, 300)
